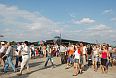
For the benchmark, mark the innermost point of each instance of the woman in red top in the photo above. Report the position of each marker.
(104, 56)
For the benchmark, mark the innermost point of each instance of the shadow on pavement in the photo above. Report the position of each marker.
(86, 67)
(34, 64)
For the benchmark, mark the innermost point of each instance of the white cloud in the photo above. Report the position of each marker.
(84, 21)
(100, 27)
(72, 15)
(7, 30)
(113, 19)
(108, 11)
(18, 24)
(57, 31)
(25, 23)
(101, 32)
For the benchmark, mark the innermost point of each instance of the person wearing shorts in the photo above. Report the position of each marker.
(95, 58)
(76, 60)
(70, 56)
(104, 56)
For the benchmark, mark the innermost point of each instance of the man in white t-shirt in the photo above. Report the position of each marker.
(62, 54)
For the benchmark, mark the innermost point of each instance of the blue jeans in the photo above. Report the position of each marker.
(70, 59)
(18, 59)
(33, 53)
(51, 60)
(7, 63)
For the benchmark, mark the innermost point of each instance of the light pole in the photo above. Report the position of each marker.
(57, 39)
(60, 39)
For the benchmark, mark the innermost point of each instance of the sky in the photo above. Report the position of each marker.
(35, 20)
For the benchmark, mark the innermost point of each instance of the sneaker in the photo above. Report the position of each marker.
(19, 74)
(74, 74)
(67, 68)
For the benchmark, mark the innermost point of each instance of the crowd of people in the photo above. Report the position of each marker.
(80, 56)
(7, 54)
